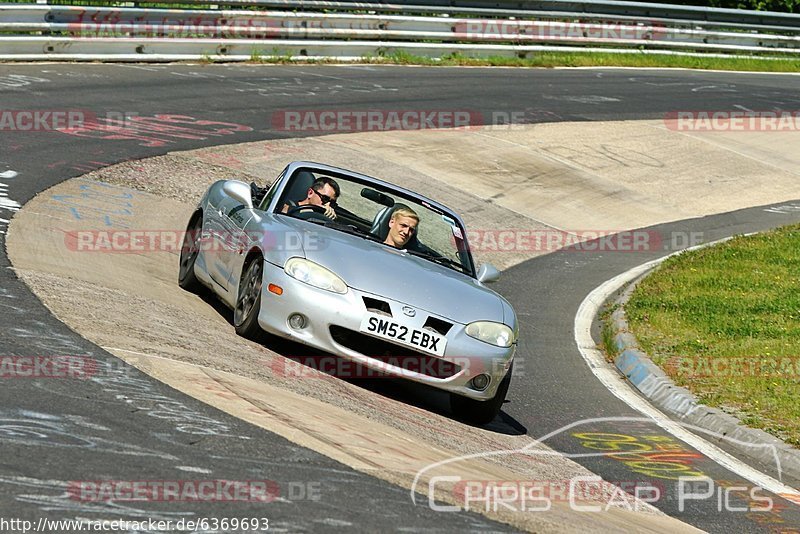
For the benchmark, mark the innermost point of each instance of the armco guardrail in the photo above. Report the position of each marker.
(37, 31)
(605, 9)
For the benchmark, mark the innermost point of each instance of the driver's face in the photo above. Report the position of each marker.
(315, 198)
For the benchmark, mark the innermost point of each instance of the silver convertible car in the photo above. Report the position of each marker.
(361, 269)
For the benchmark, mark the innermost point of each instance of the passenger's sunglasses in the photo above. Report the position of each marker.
(324, 198)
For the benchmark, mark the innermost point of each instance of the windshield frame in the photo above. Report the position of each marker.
(287, 176)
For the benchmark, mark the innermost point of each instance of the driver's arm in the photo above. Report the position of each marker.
(288, 205)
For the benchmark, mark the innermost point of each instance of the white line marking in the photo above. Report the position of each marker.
(192, 469)
(610, 378)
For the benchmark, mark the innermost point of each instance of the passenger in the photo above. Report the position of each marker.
(402, 227)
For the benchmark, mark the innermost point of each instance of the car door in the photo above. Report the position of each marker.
(232, 242)
(213, 243)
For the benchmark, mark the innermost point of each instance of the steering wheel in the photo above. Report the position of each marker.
(307, 211)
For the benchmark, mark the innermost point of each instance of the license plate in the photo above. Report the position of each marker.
(387, 328)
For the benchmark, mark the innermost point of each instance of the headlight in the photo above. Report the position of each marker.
(496, 334)
(314, 275)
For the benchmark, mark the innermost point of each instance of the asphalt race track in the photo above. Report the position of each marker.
(130, 427)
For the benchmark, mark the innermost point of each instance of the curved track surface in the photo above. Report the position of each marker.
(130, 427)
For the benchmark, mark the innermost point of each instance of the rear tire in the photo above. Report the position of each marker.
(478, 412)
(190, 248)
(248, 301)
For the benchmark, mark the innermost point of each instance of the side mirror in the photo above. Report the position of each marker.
(488, 273)
(239, 191)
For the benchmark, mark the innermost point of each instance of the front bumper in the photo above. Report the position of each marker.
(332, 324)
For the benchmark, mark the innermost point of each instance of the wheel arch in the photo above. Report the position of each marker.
(252, 253)
(197, 211)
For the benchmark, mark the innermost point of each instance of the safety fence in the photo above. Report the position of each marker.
(257, 29)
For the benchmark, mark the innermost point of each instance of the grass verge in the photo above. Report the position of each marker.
(551, 60)
(572, 59)
(601, 59)
(724, 322)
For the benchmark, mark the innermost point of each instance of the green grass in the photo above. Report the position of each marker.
(724, 321)
(550, 60)
(598, 59)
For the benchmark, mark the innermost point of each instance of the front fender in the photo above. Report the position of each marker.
(276, 241)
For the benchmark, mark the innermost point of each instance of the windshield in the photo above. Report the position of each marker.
(365, 209)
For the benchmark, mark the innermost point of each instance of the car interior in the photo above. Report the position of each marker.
(377, 225)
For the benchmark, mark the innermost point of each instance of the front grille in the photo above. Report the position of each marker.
(377, 306)
(443, 327)
(392, 354)
(382, 307)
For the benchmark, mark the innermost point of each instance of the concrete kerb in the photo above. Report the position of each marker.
(654, 384)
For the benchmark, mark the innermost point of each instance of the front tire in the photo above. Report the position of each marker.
(248, 301)
(190, 248)
(477, 412)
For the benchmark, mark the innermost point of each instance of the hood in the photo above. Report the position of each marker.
(381, 270)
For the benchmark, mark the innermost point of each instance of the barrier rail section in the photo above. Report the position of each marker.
(236, 30)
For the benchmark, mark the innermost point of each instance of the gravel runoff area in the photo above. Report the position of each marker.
(130, 304)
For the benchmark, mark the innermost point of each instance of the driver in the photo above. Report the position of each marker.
(323, 192)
